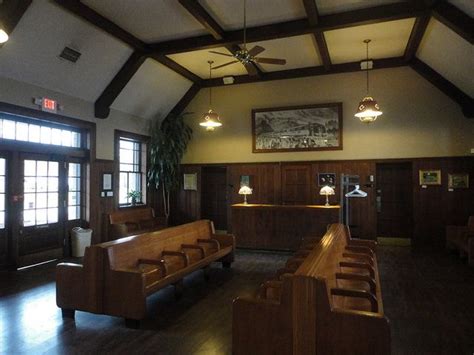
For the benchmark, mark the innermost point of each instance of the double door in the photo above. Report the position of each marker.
(37, 192)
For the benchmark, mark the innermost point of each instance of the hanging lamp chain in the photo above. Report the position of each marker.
(245, 24)
(210, 87)
(367, 64)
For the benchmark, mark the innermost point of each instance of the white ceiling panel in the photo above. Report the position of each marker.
(449, 54)
(299, 52)
(153, 91)
(389, 39)
(466, 6)
(31, 54)
(196, 62)
(326, 7)
(149, 20)
(230, 13)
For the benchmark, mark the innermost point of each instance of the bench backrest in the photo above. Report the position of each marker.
(125, 252)
(131, 215)
(470, 224)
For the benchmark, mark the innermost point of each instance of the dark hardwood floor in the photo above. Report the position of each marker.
(428, 297)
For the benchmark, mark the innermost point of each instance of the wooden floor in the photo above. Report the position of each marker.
(429, 298)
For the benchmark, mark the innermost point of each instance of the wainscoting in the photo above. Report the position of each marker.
(433, 207)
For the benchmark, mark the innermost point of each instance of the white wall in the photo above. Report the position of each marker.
(418, 120)
(21, 94)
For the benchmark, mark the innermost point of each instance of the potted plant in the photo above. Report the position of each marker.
(168, 142)
(135, 196)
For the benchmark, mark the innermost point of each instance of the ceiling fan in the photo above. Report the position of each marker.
(248, 57)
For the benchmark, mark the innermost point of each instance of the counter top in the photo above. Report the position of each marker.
(260, 205)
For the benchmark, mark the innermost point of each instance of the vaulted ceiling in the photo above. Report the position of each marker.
(150, 57)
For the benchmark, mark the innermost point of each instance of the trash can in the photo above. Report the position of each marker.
(80, 239)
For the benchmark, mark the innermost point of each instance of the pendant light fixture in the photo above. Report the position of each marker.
(368, 109)
(210, 119)
(3, 33)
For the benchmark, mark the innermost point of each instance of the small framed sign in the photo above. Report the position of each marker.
(458, 181)
(430, 177)
(107, 182)
(328, 179)
(190, 182)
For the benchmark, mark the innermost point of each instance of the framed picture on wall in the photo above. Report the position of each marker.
(107, 182)
(430, 177)
(190, 182)
(327, 179)
(297, 128)
(246, 180)
(458, 181)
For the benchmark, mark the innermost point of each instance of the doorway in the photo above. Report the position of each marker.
(214, 195)
(394, 200)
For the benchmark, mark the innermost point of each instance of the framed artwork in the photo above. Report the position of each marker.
(245, 180)
(297, 128)
(458, 181)
(430, 177)
(190, 182)
(107, 182)
(327, 179)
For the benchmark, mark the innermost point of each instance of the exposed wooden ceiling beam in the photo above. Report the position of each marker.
(294, 28)
(11, 11)
(171, 64)
(416, 36)
(451, 90)
(308, 71)
(185, 100)
(455, 19)
(201, 15)
(105, 100)
(96, 19)
(320, 41)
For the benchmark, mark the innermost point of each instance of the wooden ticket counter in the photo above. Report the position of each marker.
(279, 227)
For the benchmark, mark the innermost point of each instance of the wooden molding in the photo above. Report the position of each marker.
(171, 64)
(372, 15)
(416, 36)
(185, 100)
(320, 41)
(448, 88)
(128, 70)
(455, 19)
(11, 11)
(308, 71)
(203, 17)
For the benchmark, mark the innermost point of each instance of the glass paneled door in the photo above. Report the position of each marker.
(43, 210)
(3, 204)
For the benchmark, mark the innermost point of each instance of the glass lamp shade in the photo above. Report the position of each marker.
(3, 34)
(368, 110)
(210, 120)
(245, 190)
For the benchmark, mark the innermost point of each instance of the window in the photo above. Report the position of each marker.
(132, 166)
(41, 198)
(38, 133)
(74, 192)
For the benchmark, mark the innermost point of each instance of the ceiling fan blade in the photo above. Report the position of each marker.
(226, 64)
(227, 55)
(251, 69)
(270, 61)
(256, 51)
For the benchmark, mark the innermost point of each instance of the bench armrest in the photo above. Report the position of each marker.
(359, 265)
(361, 249)
(358, 294)
(359, 256)
(195, 246)
(356, 277)
(160, 263)
(177, 253)
(363, 243)
(70, 286)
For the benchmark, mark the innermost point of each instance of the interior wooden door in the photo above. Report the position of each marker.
(394, 200)
(296, 184)
(214, 196)
(3, 211)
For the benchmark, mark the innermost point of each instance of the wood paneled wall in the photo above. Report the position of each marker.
(434, 207)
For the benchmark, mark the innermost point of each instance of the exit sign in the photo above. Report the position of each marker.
(49, 105)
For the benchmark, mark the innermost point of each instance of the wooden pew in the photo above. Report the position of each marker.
(118, 276)
(132, 221)
(461, 238)
(325, 301)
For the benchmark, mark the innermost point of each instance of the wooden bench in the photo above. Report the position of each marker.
(117, 277)
(461, 238)
(133, 221)
(326, 300)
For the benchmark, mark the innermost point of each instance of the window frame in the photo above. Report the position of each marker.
(143, 163)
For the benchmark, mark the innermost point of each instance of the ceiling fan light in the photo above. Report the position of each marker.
(368, 110)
